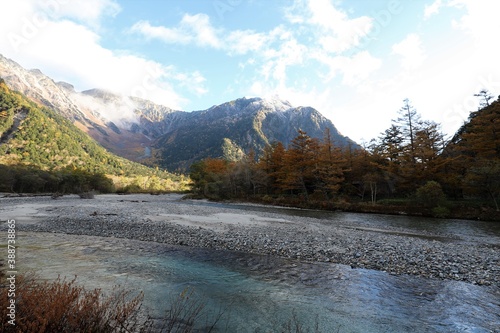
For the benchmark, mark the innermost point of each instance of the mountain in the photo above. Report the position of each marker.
(36, 137)
(229, 129)
(143, 131)
(105, 116)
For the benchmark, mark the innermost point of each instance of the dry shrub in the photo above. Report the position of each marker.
(186, 315)
(62, 306)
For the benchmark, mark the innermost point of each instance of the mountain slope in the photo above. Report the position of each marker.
(94, 111)
(237, 126)
(36, 136)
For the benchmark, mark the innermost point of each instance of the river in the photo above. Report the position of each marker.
(259, 293)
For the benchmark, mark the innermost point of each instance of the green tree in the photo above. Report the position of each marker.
(431, 194)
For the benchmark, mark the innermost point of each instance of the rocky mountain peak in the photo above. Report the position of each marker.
(102, 94)
(36, 72)
(66, 86)
(276, 104)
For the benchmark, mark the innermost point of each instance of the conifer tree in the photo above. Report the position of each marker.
(299, 163)
(330, 166)
(408, 123)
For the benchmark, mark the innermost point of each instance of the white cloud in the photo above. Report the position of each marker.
(277, 60)
(276, 50)
(120, 111)
(167, 35)
(195, 29)
(481, 19)
(90, 12)
(194, 82)
(337, 32)
(411, 51)
(70, 51)
(354, 69)
(432, 9)
(317, 32)
(244, 41)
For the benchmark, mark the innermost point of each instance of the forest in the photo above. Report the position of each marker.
(411, 168)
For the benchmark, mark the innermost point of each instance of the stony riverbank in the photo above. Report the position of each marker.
(168, 219)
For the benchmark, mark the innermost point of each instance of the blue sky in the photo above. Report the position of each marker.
(354, 61)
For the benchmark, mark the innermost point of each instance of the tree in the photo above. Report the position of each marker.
(7, 178)
(272, 163)
(431, 194)
(208, 176)
(300, 160)
(483, 178)
(390, 152)
(474, 153)
(391, 144)
(485, 97)
(245, 177)
(372, 180)
(409, 123)
(329, 166)
(429, 143)
(410, 150)
(481, 138)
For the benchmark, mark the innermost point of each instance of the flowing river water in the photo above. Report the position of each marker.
(259, 293)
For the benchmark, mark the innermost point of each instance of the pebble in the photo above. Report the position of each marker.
(300, 239)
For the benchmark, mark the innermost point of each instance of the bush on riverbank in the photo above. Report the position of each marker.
(456, 209)
(63, 306)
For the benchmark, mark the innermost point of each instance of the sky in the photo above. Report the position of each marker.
(355, 61)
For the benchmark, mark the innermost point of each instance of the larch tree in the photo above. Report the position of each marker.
(271, 163)
(408, 122)
(300, 160)
(330, 166)
(429, 143)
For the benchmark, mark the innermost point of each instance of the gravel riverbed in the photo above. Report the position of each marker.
(168, 219)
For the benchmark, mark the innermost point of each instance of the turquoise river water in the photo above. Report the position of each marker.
(260, 293)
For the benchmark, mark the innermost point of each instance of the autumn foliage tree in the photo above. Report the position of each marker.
(408, 159)
(300, 164)
(308, 166)
(475, 152)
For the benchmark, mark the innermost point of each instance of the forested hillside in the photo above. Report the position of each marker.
(409, 168)
(40, 150)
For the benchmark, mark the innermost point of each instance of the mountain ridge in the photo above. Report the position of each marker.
(49, 153)
(141, 130)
